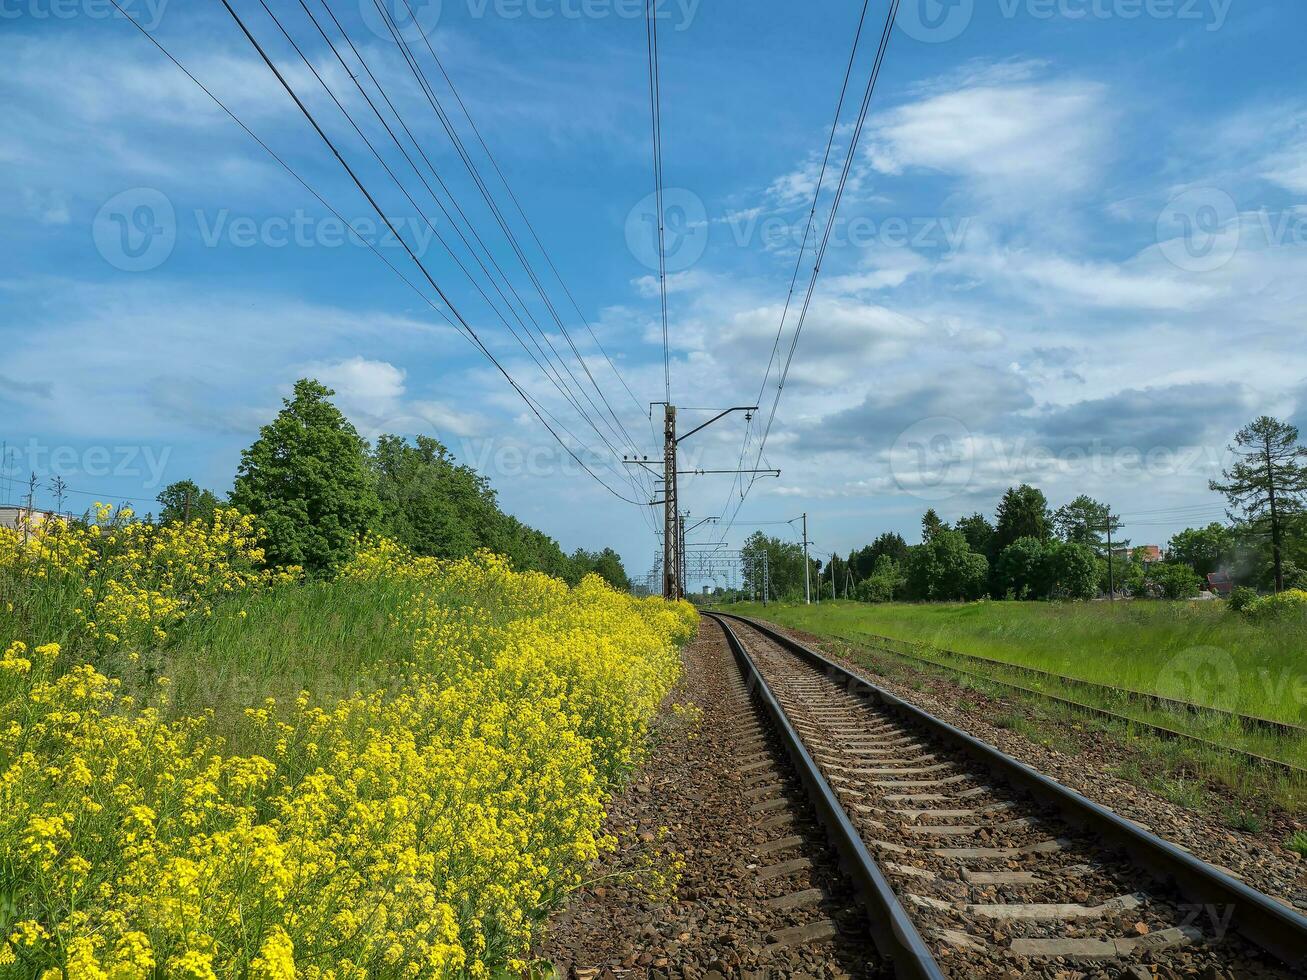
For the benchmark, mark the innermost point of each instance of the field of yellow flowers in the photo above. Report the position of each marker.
(418, 821)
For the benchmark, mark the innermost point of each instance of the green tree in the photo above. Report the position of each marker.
(1024, 570)
(978, 532)
(1074, 568)
(889, 545)
(1170, 580)
(185, 500)
(885, 583)
(1083, 521)
(432, 504)
(931, 524)
(307, 480)
(1204, 549)
(1267, 481)
(946, 569)
(607, 564)
(1022, 513)
(784, 566)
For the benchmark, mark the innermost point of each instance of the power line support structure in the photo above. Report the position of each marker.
(674, 569)
(807, 571)
(671, 531)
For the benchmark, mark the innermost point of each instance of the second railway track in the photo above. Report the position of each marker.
(975, 866)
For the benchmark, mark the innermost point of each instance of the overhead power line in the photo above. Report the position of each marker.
(522, 213)
(849, 159)
(451, 131)
(554, 376)
(450, 313)
(656, 118)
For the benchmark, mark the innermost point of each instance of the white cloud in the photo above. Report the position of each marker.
(361, 385)
(1008, 134)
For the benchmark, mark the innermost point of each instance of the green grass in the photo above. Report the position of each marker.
(1192, 651)
(332, 639)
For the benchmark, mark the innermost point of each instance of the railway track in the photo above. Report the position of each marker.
(1248, 723)
(974, 865)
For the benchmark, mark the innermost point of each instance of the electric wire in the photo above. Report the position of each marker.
(522, 212)
(655, 115)
(470, 333)
(549, 371)
(434, 100)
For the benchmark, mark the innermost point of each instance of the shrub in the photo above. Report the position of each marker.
(885, 582)
(1167, 580)
(1280, 606)
(1241, 598)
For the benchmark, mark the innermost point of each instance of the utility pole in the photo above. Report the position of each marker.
(1111, 580)
(674, 567)
(31, 498)
(766, 577)
(671, 531)
(807, 587)
(685, 565)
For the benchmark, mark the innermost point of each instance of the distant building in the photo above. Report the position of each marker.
(1220, 582)
(17, 518)
(1147, 553)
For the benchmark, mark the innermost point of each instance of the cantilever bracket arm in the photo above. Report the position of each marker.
(738, 408)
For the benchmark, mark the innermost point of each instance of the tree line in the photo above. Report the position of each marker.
(317, 486)
(1032, 551)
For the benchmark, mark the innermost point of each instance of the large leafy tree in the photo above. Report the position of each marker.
(307, 479)
(1266, 482)
(978, 532)
(931, 524)
(1034, 569)
(1022, 513)
(784, 566)
(607, 564)
(1083, 521)
(884, 584)
(429, 502)
(1074, 570)
(1024, 570)
(888, 545)
(946, 569)
(186, 501)
(1204, 549)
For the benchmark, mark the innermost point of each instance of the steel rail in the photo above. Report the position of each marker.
(1274, 927)
(1251, 722)
(893, 932)
(1161, 730)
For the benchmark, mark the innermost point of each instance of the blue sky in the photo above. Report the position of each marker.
(1073, 250)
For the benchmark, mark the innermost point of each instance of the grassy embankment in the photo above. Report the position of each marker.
(1197, 652)
(209, 769)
